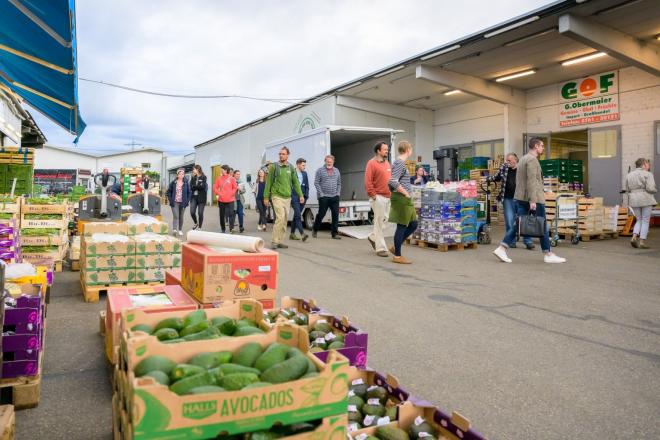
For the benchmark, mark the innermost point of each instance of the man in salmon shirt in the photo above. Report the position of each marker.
(224, 189)
(376, 178)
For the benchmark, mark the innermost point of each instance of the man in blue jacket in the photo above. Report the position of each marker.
(296, 223)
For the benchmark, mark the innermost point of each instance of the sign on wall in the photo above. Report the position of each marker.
(589, 100)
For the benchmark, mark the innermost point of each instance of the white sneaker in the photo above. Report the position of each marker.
(174, 232)
(500, 253)
(552, 258)
(180, 233)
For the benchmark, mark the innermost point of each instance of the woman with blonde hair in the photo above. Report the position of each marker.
(402, 210)
(640, 186)
(258, 190)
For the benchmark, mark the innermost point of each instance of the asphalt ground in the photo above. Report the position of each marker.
(525, 350)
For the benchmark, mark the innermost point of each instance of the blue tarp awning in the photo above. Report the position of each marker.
(38, 57)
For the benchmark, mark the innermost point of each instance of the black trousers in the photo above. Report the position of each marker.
(226, 213)
(262, 212)
(326, 203)
(197, 211)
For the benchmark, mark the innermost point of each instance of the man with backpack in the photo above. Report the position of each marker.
(280, 182)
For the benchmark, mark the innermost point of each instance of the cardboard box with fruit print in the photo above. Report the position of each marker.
(213, 274)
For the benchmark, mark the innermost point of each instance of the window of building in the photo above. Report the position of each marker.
(146, 165)
(604, 144)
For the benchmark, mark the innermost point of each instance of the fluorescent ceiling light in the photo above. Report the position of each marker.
(512, 26)
(350, 86)
(378, 75)
(530, 37)
(583, 59)
(452, 92)
(516, 75)
(440, 52)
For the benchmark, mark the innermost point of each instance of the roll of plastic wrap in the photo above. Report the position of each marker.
(242, 242)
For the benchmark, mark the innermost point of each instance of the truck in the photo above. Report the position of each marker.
(352, 148)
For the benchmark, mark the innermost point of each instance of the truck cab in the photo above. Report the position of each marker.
(352, 148)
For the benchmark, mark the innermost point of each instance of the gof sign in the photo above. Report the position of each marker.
(590, 100)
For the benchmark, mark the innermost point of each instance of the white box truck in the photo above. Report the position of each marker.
(352, 148)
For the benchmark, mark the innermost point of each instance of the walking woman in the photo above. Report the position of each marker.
(641, 187)
(402, 210)
(178, 194)
(224, 189)
(199, 188)
(258, 190)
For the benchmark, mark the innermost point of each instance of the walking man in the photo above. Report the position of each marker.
(328, 189)
(507, 175)
(529, 197)
(296, 223)
(376, 179)
(240, 199)
(280, 183)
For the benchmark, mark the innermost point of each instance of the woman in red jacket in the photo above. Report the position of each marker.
(224, 189)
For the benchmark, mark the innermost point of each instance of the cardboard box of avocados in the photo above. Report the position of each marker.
(245, 308)
(149, 300)
(157, 412)
(421, 417)
(157, 261)
(293, 310)
(214, 274)
(151, 275)
(354, 339)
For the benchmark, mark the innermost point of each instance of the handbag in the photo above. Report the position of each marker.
(531, 225)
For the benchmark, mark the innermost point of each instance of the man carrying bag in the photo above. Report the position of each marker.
(531, 205)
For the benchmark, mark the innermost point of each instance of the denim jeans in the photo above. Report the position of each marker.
(523, 209)
(333, 204)
(239, 212)
(296, 223)
(510, 213)
(402, 232)
(262, 212)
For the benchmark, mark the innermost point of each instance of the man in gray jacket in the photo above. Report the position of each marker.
(327, 182)
(529, 197)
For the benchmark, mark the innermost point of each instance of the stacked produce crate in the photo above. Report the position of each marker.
(614, 218)
(447, 218)
(591, 215)
(16, 163)
(115, 254)
(10, 219)
(44, 230)
(131, 179)
(567, 171)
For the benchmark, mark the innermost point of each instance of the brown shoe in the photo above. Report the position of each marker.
(401, 260)
(634, 241)
(643, 245)
(391, 248)
(382, 254)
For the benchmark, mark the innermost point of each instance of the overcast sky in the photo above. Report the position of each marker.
(280, 49)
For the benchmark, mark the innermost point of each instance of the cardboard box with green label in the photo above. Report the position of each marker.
(157, 412)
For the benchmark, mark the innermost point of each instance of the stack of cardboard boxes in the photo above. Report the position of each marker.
(119, 253)
(447, 218)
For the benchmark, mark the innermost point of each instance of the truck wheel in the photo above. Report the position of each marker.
(308, 219)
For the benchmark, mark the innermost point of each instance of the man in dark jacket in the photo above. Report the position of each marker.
(507, 175)
(296, 223)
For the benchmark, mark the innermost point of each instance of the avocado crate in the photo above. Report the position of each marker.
(154, 411)
(47, 216)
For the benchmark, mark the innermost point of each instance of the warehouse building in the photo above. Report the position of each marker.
(68, 166)
(582, 75)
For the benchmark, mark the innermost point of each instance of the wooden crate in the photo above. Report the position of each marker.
(61, 208)
(45, 240)
(62, 224)
(7, 422)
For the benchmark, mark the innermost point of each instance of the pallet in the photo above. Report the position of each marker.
(7, 422)
(443, 247)
(589, 236)
(92, 293)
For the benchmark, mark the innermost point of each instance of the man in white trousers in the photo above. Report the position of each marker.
(376, 178)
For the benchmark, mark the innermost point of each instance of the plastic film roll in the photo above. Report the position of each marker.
(242, 242)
